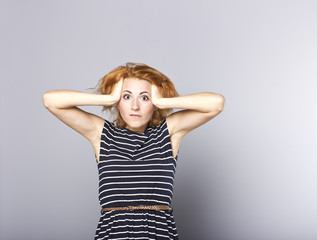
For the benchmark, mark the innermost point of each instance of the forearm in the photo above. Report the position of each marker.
(70, 98)
(202, 102)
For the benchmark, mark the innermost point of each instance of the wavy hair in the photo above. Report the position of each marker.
(143, 72)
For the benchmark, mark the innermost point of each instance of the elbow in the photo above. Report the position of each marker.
(46, 98)
(216, 103)
(220, 102)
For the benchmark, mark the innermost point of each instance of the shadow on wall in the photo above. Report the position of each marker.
(197, 197)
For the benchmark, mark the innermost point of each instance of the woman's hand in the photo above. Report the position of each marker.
(156, 95)
(116, 92)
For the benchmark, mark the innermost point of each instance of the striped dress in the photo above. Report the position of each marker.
(136, 169)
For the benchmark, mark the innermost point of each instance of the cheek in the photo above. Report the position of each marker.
(149, 108)
(121, 106)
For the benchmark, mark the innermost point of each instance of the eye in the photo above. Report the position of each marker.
(144, 97)
(126, 96)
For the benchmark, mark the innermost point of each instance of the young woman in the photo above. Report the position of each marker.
(137, 153)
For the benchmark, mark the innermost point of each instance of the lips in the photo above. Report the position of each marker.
(135, 115)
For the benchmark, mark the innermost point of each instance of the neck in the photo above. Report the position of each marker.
(137, 130)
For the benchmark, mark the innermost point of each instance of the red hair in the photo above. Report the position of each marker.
(143, 72)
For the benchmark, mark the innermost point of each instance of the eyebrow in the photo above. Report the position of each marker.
(140, 92)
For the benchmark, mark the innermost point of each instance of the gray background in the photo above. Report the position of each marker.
(249, 174)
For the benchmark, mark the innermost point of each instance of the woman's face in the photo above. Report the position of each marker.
(135, 104)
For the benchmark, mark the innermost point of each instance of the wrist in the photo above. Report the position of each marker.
(161, 103)
(110, 100)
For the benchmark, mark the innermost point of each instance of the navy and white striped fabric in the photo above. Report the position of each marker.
(136, 169)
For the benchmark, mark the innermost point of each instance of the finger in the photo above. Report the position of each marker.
(154, 89)
(118, 85)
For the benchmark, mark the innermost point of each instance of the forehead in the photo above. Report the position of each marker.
(136, 85)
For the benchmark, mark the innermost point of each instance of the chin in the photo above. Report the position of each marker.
(136, 124)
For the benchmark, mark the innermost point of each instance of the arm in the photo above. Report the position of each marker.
(198, 108)
(63, 104)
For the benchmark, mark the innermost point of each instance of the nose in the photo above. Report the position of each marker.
(135, 104)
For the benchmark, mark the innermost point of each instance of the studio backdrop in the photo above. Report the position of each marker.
(248, 174)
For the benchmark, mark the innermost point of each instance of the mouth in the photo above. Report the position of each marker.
(135, 115)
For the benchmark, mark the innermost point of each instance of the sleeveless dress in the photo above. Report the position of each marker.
(136, 169)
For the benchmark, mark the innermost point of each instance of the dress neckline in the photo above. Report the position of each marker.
(144, 134)
(133, 132)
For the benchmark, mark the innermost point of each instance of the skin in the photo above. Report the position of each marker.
(135, 104)
(133, 97)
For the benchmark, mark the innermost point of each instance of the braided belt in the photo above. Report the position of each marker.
(148, 207)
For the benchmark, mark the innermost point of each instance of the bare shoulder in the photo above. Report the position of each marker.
(176, 138)
(171, 122)
(99, 124)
